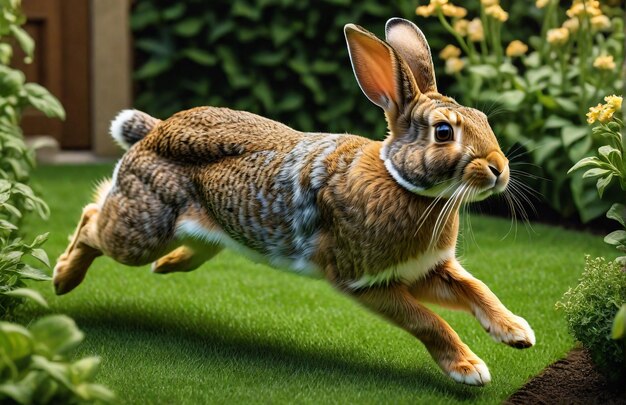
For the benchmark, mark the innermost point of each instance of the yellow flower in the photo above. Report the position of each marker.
(425, 11)
(541, 3)
(460, 26)
(592, 115)
(558, 36)
(604, 112)
(475, 30)
(516, 48)
(497, 12)
(580, 8)
(454, 65)
(604, 62)
(450, 10)
(487, 3)
(571, 25)
(450, 51)
(600, 23)
(614, 101)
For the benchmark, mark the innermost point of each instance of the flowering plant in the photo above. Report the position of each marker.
(609, 164)
(546, 81)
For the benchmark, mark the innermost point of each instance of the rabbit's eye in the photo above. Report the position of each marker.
(444, 132)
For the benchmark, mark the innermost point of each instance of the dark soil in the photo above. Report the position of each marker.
(572, 380)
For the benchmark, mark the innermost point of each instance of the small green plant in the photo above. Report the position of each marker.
(590, 309)
(609, 165)
(34, 363)
(547, 82)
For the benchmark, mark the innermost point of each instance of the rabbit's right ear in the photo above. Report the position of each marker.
(382, 75)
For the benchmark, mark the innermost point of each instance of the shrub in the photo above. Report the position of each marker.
(547, 81)
(284, 59)
(590, 308)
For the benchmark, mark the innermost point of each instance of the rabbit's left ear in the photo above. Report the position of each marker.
(382, 75)
(411, 45)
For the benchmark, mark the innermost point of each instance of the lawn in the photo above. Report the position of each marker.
(235, 331)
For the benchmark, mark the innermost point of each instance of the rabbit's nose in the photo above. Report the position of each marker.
(494, 170)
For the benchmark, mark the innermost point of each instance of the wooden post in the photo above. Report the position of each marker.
(111, 69)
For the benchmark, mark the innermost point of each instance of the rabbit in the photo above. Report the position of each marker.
(377, 219)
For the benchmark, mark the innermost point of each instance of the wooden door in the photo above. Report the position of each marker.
(61, 63)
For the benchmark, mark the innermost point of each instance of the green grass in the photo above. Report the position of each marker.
(235, 331)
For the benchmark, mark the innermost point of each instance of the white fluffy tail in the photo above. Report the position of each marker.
(131, 126)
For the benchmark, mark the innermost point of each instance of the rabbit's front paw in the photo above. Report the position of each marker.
(470, 370)
(512, 330)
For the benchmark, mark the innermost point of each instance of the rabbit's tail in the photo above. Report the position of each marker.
(131, 126)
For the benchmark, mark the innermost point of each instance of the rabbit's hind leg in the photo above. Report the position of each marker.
(194, 247)
(185, 258)
(83, 249)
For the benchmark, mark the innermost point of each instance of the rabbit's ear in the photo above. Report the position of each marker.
(411, 45)
(382, 75)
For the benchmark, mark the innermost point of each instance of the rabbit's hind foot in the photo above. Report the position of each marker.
(72, 265)
(185, 258)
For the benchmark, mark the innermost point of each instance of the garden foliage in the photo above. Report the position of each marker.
(590, 309)
(284, 59)
(34, 367)
(540, 88)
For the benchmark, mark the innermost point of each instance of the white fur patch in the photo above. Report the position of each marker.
(116, 127)
(407, 272)
(479, 376)
(401, 180)
(189, 228)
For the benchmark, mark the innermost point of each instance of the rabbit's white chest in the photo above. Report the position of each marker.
(407, 272)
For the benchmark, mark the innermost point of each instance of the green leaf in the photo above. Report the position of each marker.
(611, 154)
(40, 255)
(175, 11)
(31, 273)
(579, 149)
(55, 334)
(26, 42)
(513, 98)
(618, 331)
(95, 392)
(547, 149)
(616, 238)
(29, 294)
(567, 104)
(20, 393)
(595, 172)
(189, 27)
(152, 68)
(60, 372)
(44, 101)
(85, 369)
(617, 213)
(571, 134)
(556, 121)
(485, 71)
(15, 340)
(199, 56)
(603, 183)
(588, 161)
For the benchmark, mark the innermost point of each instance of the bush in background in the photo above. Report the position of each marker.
(543, 84)
(284, 59)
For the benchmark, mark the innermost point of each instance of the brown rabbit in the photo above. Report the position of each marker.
(378, 220)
